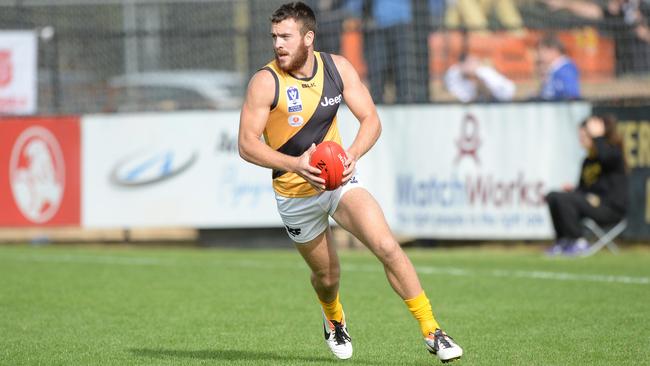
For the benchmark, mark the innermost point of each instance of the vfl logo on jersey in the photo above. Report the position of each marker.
(331, 101)
(295, 120)
(293, 99)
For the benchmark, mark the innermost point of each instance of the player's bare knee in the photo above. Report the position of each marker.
(326, 278)
(388, 251)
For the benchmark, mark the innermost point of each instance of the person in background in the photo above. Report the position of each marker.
(470, 81)
(627, 20)
(561, 78)
(330, 15)
(602, 189)
(395, 46)
(474, 14)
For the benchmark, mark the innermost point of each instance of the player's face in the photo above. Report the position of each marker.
(546, 56)
(290, 46)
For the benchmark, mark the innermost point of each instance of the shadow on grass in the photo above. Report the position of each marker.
(228, 355)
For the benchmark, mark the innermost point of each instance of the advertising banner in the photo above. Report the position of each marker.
(18, 82)
(438, 171)
(39, 179)
(179, 169)
(474, 171)
(634, 127)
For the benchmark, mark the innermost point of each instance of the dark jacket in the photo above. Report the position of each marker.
(604, 174)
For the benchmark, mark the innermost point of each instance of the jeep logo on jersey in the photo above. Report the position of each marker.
(37, 174)
(295, 120)
(331, 101)
(293, 99)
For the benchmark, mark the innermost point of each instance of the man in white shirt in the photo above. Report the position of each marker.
(471, 81)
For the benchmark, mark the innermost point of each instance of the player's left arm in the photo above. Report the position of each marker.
(360, 102)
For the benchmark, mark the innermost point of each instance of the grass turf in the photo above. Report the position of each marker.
(108, 305)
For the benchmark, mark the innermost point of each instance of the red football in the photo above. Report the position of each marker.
(329, 157)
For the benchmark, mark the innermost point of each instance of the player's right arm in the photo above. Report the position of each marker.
(254, 115)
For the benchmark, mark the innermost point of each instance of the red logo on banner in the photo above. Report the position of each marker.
(37, 174)
(469, 140)
(6, 69)
(40, 171)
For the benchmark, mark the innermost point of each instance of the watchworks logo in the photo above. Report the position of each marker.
(481, 186)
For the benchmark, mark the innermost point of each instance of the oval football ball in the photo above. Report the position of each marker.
(329, 157)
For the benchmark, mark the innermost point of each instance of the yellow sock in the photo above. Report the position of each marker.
(333, 310)
(420, 307)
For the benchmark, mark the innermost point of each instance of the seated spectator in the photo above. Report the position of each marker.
(561, 79)
(470, 81)
(602, 190)
(628, 22)
(474, 14)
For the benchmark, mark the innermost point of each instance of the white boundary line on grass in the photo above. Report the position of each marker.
(425, 270)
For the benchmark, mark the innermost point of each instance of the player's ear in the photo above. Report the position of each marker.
(309, 38)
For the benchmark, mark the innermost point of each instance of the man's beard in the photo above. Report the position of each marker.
(297, 62)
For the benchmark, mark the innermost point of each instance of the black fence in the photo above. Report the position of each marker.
(121, 56)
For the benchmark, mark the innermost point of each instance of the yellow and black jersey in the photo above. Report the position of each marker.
(303, 112)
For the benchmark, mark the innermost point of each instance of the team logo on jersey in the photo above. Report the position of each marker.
(293, 99)
(295, 120)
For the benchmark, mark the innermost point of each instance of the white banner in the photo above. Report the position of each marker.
(467, 172)
(18, 82)
(473, 171)
(180, 169)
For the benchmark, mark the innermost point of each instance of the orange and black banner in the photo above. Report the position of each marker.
(634, 127)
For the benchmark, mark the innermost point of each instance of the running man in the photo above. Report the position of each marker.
(292, 102)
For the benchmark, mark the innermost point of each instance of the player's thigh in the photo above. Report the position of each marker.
(303, 218)
(360, 214)
(320, 254)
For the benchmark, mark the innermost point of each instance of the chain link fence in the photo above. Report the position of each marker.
(131, 55)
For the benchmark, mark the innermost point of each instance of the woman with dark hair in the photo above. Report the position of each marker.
(602, 190)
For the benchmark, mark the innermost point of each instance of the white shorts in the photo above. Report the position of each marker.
(306, 218)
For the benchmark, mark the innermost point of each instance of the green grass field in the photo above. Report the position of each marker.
(114, 305)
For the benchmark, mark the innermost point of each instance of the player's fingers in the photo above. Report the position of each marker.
(313, 170)
(349, 168)
(317, 182)
(311, 149)
(347, 177)
(317, 179)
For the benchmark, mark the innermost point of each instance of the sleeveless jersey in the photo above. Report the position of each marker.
(303, 112)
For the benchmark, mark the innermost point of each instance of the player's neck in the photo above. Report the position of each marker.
(307, 70)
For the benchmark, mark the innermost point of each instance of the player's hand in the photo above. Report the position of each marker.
(310, 173)
(350, 167)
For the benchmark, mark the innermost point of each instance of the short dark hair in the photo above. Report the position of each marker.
(551, 41)
(298, 11)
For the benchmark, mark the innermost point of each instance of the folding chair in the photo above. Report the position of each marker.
(605, 236)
